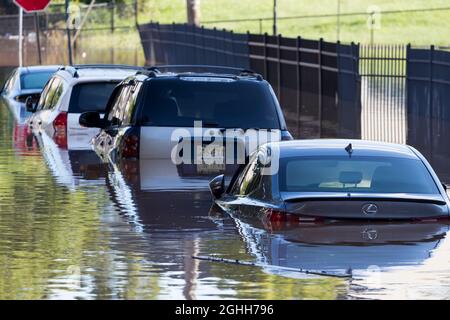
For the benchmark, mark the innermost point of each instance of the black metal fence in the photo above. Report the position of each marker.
(317, 82)
(428, 101)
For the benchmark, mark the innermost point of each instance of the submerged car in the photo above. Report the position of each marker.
(153, 112)
(71, 91)
(334, 179)
(24, 83)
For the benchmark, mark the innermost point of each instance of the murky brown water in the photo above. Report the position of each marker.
(71, 227)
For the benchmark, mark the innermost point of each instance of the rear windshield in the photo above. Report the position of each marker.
(35, 80)
(90, 96)
(222, 102)
(355, 174)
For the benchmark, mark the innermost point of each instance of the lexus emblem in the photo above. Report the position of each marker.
(369, 208)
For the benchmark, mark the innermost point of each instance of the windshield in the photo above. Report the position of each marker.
(35, 80)
(91, 96)
(355, 174)
(218, 102)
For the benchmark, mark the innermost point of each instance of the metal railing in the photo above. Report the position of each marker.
(383, 85)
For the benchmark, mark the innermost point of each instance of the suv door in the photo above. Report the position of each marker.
(119, 116)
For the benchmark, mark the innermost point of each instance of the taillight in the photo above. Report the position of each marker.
(281, 216)
(60, 122)
(130, 146)
(285, 136)
(60, 139)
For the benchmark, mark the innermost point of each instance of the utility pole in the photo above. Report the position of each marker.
(38, 40)
(69, 42)
(193, 12)
(275, 17)
(20, 37)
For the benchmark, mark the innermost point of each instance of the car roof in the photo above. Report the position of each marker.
(96, 73)
(200, 71)
(43, 68)
(336, 147)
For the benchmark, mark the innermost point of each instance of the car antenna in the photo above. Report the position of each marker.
(349, 149)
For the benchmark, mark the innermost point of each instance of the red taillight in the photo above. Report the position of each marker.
(60, 122)
(130, 146)
(60, 139)
(281, 216)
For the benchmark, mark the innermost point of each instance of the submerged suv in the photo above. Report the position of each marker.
(71, 91)
(154, 114)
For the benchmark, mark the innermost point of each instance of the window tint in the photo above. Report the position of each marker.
(355, 174)
(44, 94)
(90, 96)
(35, 80)
(249, 179)
(124, 104)
(51, 94)
(220, 102)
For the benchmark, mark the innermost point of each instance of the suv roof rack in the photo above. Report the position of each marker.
(238, 72)
(73, 68)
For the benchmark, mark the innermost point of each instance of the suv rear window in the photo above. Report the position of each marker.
(355, 174)
(218, 102)
(91, 96)
(35, 80)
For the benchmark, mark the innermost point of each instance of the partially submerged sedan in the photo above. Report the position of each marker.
(335, 179)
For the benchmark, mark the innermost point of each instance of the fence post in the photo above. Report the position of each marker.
(338, 98)
(265, 56)
(320, 86)
(299, 84)
(430, 101)
(408, 49)
(279, 66)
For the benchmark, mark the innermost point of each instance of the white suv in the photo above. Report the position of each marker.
(71, 91)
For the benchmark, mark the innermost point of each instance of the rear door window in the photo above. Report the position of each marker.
(218, 102)
(51, 94)
(92, 96)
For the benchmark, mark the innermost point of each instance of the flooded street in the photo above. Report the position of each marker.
(72, 227)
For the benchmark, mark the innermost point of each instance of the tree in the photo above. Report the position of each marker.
(193, 12)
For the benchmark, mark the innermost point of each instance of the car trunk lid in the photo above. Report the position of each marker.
(366, 205)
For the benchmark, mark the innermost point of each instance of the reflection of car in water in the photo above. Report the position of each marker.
(155, 195)
(341, 246)
(335, 179)
(75, 167)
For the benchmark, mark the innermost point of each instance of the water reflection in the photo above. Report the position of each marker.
(73, 227)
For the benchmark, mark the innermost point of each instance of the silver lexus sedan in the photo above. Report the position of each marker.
(322, 179)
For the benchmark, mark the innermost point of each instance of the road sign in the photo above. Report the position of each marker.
(32, 5)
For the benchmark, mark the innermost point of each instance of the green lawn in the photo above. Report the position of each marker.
(422, 28)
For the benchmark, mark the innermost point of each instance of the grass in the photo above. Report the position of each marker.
(418, 28)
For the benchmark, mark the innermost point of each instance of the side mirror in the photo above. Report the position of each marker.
(30, 105)
(91, 119)
(217, 186)
(444, 186)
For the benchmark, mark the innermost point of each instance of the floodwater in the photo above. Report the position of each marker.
(72, 227)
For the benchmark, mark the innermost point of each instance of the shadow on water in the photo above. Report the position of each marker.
(72, 226)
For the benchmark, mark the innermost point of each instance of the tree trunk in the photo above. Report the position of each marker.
(193, 12)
